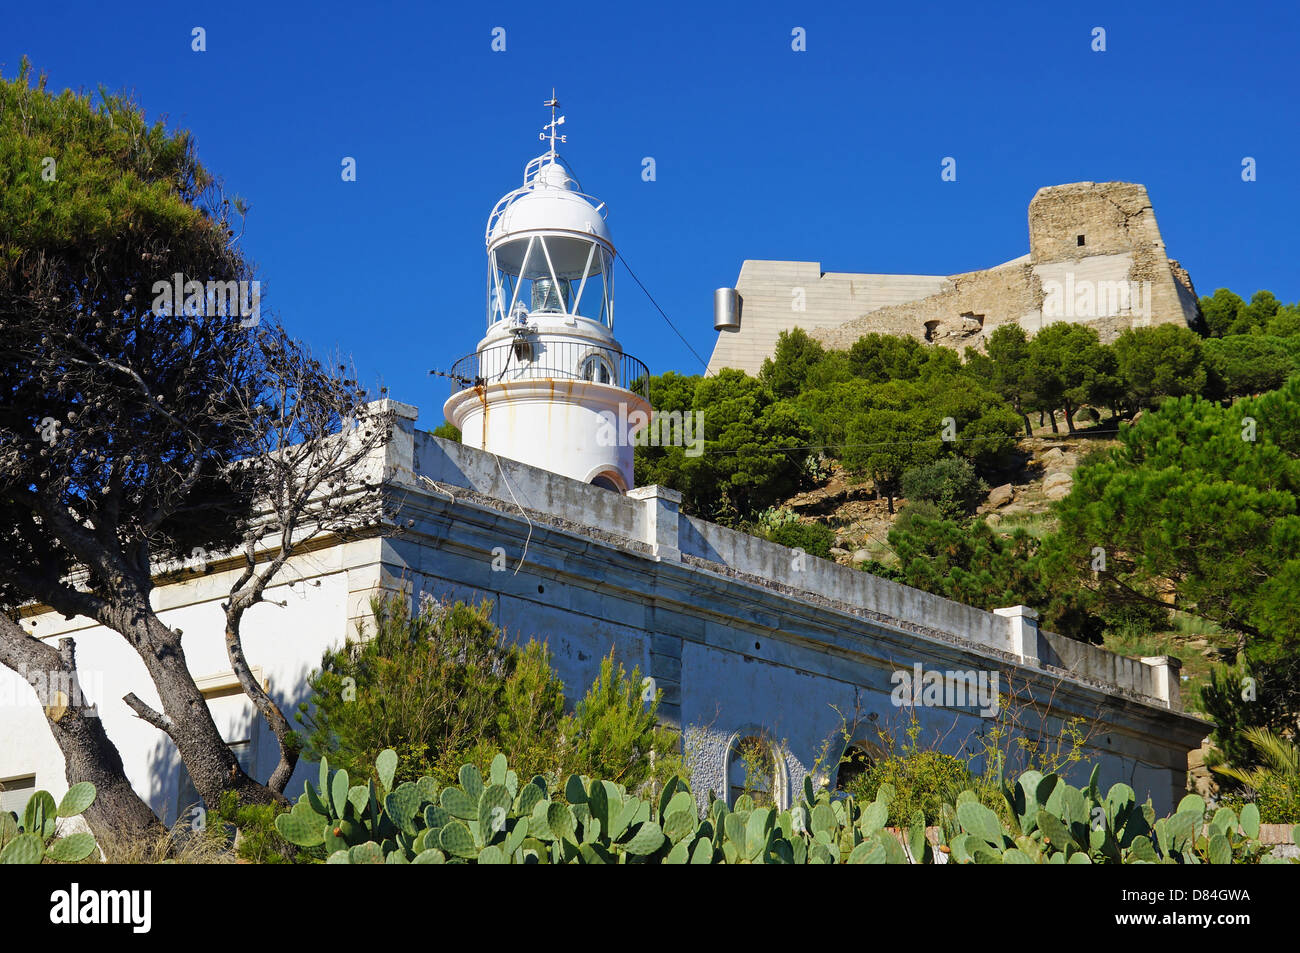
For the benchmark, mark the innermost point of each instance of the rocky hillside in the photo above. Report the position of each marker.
(1041, 472)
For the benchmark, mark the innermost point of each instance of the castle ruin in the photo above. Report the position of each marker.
(1095, 257)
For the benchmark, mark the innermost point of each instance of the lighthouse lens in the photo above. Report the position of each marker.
(549, 295)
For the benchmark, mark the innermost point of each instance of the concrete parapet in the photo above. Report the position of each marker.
(1023, 629)
(659, 519)
(1166, 679)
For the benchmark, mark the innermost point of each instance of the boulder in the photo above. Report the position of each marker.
(1000, 495)
(1057, 485)
(1056, 479)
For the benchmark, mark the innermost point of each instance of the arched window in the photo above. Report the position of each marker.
(597, 368)
(754, 768)
(608, 481)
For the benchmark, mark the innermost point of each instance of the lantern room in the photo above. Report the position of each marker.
(549, 249)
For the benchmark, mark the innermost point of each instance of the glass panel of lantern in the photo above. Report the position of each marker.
(524, 263)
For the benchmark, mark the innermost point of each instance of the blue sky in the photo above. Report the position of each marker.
(830, 155)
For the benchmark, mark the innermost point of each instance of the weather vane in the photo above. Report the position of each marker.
(554, 124)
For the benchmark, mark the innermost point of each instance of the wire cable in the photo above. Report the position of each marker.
(901, 443)
(623, 258)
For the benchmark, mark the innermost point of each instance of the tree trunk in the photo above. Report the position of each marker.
(88, 753)
(275, 719)
(185, 717)
(1069, 417)
(1029, 431)
(1052, 416)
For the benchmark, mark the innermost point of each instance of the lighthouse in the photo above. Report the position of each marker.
(549, 385)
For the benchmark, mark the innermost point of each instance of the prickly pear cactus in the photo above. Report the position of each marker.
(33, 837)
(1057, 823)
(498, 819)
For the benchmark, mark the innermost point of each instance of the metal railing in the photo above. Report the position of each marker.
(527, 359)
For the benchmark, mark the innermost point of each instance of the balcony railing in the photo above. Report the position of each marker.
(551, 360)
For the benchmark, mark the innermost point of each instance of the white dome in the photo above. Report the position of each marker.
(548, 203)
(553, 176)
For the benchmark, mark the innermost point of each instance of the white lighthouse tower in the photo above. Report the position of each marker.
(549, 385)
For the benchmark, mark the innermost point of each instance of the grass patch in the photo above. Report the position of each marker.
(181, 845)
(1183, 642)
(1037, 525)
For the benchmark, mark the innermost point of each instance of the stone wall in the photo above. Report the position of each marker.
(742, 637)
(1111, 217)
(777, 296)
(965, 314)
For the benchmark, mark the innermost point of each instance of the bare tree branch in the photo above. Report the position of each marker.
(154, 718)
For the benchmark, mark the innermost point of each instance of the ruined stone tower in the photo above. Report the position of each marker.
(1096, 256)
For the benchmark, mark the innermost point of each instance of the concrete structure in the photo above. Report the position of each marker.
(1095, 256)
(743, 637)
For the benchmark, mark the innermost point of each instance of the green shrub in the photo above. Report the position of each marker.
(1277, 798)
(614, 733)
(1135, 618)
(913, 510)
(950, 483)
(447, 430)
(249, 831)
(923, 781)
(815, 539)
(919, 779)
(442, 687)
(1273, 785)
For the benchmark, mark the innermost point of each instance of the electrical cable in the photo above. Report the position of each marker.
(623, 258)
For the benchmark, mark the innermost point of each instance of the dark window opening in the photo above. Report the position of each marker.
(853, 764)
(1079, 240)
